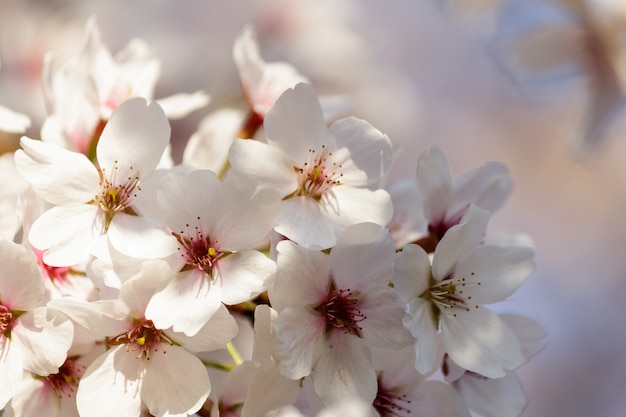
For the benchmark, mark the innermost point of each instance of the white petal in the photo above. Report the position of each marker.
(219, 330)
(435, 183)
(185, 304)
(421, 324)
(458, 241)
(411, 272)
(138, 237)
(436, 399)
(362, 258)
(302, 276)
(135, 136)
(264, 317)
(384, 312)
(479, 341)
(244, 275)
(66, 233)
(12, 121)
(44, 337)
(11, 369)
(35, 398)
(345, 370)
(110, 385)
(175, 383)
(59, 176)
(530, 333)
(502, 397)
(21, 283)
(296, 122)
(269, 390)
(181, 105)
(299, 338)
(303, 220)
(347, 205)
(369, 155)
(267, 164)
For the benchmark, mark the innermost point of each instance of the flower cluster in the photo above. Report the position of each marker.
(271, 273)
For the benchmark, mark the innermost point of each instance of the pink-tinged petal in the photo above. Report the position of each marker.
(219, 330)
(411, 272)
(186, 303)
(421, 323)
(408, 223)
(11, 369)
(352, 407)
(174, 383)
(436, 399)
(66, 233)
(111, 385)
(502, 397)
(44, 336)
(479, 341)
(267, 164)
(369, 155)
(302, 274)
(269, 390)
(244, 218)
(138, 237)
(303, 220)
(350, 205)
(435, 183)
(296, 122)
(344, 370)
(21, 283)
(181, 105)
(530, 333)
(493, 273)
(459, 241)
(488, 187)
(135, 136)
(208, 147)
(384, 312)
(244, 275)
(299, 341)
(362, 258)
(59, 176)
(34, 398)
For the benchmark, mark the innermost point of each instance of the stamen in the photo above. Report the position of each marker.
(341, 311)
(448, 295)
(198, 250)
(6, 320)
(116, 195)
(143, 337)
(316, 176)
(389, 403)
(65, 382)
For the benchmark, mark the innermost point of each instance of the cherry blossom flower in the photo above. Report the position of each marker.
(321, 174)
(92, 201)
(215, 225)
(82, 94)
(147, 365)
(468, 270)
(333, 308)
(32, 338)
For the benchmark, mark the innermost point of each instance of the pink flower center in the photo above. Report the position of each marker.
(65, 382)
(391, 404)
(6, 320)
(116, 195)
(143, 338)
(198, 250)
(342, 312)
(318, 175)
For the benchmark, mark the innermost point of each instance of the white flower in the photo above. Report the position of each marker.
(321, 174)
(215, 225)
(32, 338)
(332, 308)
(92, 201)
(468, 270)
(148, 365)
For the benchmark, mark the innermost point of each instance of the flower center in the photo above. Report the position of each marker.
(317, 175)
(197, 249)
(65, 382)
(448, 296)
(6, 320)
(341, 311)
(143, 337)
(391, 404)
(116, 194)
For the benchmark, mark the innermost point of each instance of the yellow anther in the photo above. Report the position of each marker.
(316, 173)
(141, 341)
(212, 252)
(113, 193)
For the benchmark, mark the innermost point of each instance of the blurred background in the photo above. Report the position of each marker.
(534, 84)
